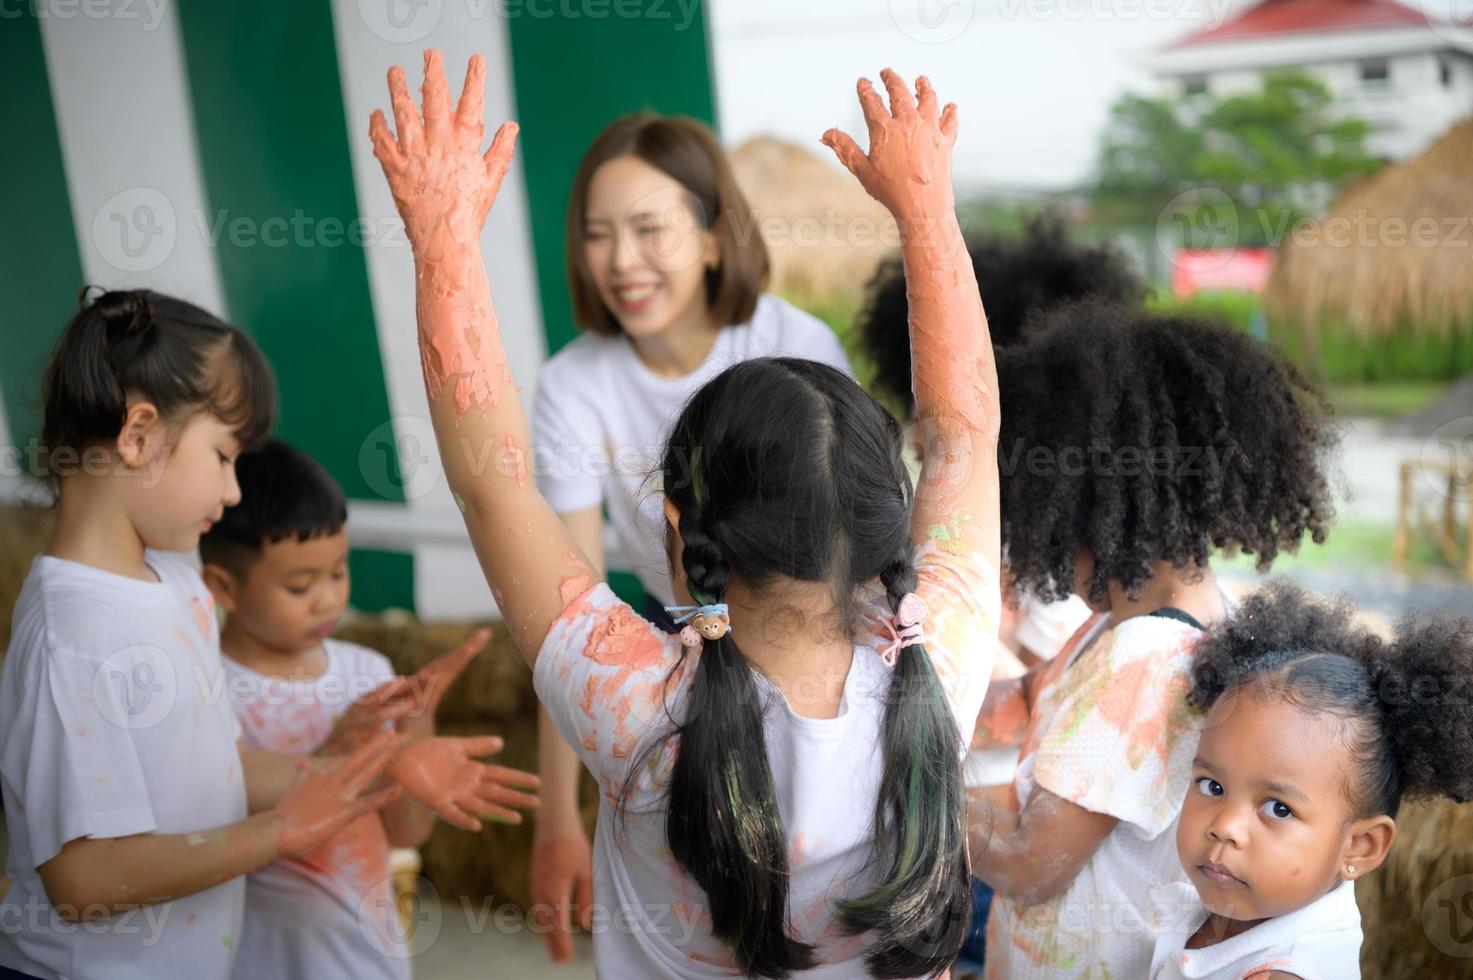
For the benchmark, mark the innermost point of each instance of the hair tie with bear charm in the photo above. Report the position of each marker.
(708, 622)
(904, 627)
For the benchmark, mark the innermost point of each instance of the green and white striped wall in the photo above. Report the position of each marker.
(216, 149)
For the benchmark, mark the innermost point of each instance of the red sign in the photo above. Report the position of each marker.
(1241, 269)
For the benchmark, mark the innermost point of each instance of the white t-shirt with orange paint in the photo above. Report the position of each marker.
(113, 722)
(1110, 732)
(601, 418)
(329, 912)
(602, 673)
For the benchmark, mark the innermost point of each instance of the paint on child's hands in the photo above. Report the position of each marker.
(908, 165)
(426, 689)
(443, 775)
(443, 188)
(908, 169)
(366, 717)
(326, 799)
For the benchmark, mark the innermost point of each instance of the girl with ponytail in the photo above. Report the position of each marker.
(1315, 731)
(783, 777)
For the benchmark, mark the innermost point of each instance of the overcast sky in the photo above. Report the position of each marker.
(1033, 79)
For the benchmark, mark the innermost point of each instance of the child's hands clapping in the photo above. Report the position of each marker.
(908, 166)
(330, 795)
(442, 775)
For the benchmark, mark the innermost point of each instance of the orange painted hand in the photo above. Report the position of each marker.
(365, 717)
(428, 685)
(501, 790)
(562, 882)
(908, 166)
(329, 796)
(443, 185)
(443, 775)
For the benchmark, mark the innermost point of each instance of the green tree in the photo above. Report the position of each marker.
(1275, 154)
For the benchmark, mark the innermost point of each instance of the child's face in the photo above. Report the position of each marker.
(1267, 827)
(183, 481)
(645, 247)
(294, 594)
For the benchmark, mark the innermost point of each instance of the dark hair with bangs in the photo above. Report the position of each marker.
(137, 343)
(688, 152)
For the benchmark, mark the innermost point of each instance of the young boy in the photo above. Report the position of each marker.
(277, 563)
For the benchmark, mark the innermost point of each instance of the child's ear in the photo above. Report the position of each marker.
(221, 585)
(672, 517)
(139, 424)
(1366, 845)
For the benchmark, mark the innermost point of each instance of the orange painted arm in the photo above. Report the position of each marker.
(908, 169)
(443, 187)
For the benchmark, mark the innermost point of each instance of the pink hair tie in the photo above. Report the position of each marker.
(904, 627)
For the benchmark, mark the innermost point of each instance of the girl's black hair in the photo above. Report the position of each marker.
(1023, 274)
(1138, 438)
(284, 493)
(1407, 703)
(784, 468)
(143, 344)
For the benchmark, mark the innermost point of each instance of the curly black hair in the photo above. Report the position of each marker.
(1407, 702)
(1138, 438)
(1020, 275)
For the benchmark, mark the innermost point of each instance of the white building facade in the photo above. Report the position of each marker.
(1410, 77)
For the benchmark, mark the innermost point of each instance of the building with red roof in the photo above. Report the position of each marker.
(1409, 74)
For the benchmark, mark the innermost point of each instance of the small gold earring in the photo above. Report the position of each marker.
(1350, 869)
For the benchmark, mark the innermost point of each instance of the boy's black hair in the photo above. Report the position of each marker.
(1021, 276)
(1136, 438)
(284, 493)
(1406, 703)
(136, 342)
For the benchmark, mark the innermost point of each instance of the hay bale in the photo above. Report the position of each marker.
(1392, 252)
(24, 532)
(824, 233)
(496, 686)
(1417, 909)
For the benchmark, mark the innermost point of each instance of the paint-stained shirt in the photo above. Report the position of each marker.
(114, 722)
(1111, 732)
(329, 912)
(608, 679)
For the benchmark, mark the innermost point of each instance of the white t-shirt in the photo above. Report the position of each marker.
(329, 912)
(114, 722)
(602, 673)
(600, 420)
(1111, 732)
(1318, 942)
